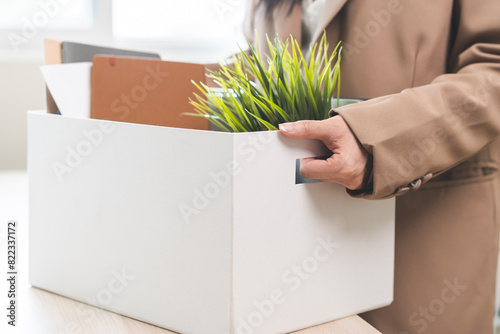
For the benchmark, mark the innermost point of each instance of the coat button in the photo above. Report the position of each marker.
(415, 184)
(401, 191)
(426, 178)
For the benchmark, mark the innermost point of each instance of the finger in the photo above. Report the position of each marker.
(306, 129)
(331, 170)
(312, 168)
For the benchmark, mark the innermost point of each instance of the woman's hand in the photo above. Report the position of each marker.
(348, 164)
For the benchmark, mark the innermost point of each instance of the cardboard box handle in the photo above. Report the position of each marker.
(299, 179)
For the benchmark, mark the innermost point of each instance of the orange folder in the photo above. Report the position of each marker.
(145, 91)
(52, 56)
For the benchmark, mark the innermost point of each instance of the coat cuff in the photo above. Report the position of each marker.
(387, 139)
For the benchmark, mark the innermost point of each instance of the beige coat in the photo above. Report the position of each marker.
(432, 71)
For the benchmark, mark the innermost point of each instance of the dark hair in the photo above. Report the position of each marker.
(272, 4)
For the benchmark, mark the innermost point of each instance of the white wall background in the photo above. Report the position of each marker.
(22, 89)
(21, 84)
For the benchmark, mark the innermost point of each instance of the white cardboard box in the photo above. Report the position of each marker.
(199, 231)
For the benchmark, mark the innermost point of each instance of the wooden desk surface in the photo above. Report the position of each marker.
(42, 312)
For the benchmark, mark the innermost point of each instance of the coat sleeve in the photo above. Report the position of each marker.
(426, 130)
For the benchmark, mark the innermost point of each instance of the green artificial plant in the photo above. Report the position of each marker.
(258, 94)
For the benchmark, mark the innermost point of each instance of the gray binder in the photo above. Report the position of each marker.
(76, 52)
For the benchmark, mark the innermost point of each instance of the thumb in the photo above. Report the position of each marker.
(305, 129)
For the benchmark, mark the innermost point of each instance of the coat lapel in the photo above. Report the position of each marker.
(284, 23)
(330, 9)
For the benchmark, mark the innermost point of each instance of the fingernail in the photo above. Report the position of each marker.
(287, 127)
